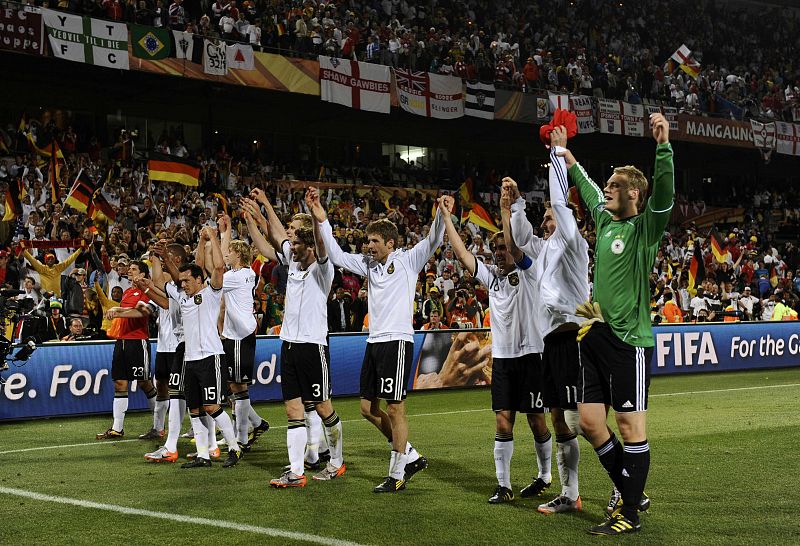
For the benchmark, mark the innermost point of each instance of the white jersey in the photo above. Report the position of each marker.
(170, 325)
(504, 309)
(239, 286)
(561, 262)
(305, 315)
(199, 314)
(392, 286)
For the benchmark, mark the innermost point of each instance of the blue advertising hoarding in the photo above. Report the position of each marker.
(73, 378)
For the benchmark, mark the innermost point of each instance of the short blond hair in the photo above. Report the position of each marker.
(243, 249)
(636, 179)
(304, 219)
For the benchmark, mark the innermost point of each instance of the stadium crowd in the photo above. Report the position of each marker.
(606, 49)
(756, 278)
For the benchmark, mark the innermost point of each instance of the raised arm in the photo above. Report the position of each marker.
(321, 251)
(217, 262)
(153, 292)
(521, 228)
(224, 224)
(352, 262)
(590, 192)
(566, 226)
(257, 236)
(505, 215)
(424, 249)
(659, 205)
(277, 230)
(464, 256)
(61, 266)
(37, 266)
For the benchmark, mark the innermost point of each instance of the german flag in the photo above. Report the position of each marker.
(223, 202)
(99, 204)
(478, 216)
(80, 196)
(472, 210)
(13, 200)
(719, 249)
(168, 168)
(44, 152)
(697, 268)
(54, 172)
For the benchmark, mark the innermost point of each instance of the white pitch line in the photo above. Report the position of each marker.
(222, 524)
(726, 390)
(665, 394)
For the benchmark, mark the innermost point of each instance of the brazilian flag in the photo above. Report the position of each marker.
(150, 43)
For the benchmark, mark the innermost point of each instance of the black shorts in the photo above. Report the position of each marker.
(613, 372)
(386, 370)
(305, 372)
(177, 371)
(204, 382)
(163, 366)
(131, 361)
(516, 384)
(560, 370)
(240, 357)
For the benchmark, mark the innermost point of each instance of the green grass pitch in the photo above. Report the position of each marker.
(723, 472)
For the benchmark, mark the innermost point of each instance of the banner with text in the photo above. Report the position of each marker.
(21, 31)
(582, 106)
(430, 95)
(361, 86)
(620, 118)
(73, 378)
(87, 40)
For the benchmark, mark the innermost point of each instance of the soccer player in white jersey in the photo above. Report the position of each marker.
(516, 363)
(239, 332)
(392, 276)
(305, 369)
(317, 452)
(200, 306)
(561, 273)
(170, 348)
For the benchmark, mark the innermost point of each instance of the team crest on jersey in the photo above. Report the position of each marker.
(617, 246)
(391, 268)
(513, 279)
(198, 299)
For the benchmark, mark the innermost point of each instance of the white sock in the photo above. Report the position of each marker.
(313, 423)
(159, 414)
(544, 457)
(201, 437)
(211, 431)
(397, 465)
(242, 412)
(411, 453)
(177, 408)
(333, 436)
(503, 451)
(567, 457)
(573, 419)
(120, 407)
(296, 437)
(151, 402)
(224, 423)
(255, 419)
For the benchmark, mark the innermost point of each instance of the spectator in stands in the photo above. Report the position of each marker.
(56, 327)
(50, 271)
(75, 330)
(434, 321)
(339, 312)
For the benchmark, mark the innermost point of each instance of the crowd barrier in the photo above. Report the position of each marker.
(73, 378)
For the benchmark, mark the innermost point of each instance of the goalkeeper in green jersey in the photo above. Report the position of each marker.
(617, 339)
